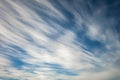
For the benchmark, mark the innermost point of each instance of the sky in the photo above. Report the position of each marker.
(59, 40)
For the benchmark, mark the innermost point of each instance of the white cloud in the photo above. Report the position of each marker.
(4, 60)
(64, 50)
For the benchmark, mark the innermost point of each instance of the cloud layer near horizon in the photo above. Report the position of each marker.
(59, 40)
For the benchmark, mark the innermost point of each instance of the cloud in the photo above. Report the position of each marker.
(54, 40)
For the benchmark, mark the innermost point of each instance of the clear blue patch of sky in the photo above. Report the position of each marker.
(7, 78)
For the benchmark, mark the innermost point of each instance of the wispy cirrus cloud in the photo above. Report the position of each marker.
(57, 40)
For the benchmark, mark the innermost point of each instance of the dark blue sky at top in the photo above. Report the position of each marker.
(87, 7)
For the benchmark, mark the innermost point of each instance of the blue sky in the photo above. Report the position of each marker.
(59, 40)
